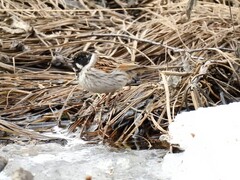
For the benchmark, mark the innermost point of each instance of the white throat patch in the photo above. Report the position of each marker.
(79, 66)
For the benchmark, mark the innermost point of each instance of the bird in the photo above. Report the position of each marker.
(98, 81)
(95, 80)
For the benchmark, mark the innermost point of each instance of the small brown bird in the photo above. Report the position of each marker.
(96, 80)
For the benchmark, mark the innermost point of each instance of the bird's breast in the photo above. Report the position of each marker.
(98, 81)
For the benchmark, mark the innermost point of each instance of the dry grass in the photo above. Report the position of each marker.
(199, 60)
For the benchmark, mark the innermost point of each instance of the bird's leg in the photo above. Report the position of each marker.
(108, 98)
(101, 99)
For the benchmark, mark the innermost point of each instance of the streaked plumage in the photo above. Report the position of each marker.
(95, 80)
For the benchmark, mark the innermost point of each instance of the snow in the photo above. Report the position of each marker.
(78, 159)
(211, 140)
(210, 137)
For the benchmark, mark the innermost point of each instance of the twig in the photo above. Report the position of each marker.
(156, 43)
(167, 93)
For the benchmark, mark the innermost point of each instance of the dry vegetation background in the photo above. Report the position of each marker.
(199, 60)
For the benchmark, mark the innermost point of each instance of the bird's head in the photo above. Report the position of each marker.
(83, 60)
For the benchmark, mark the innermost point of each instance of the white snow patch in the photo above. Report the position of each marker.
(211, 139)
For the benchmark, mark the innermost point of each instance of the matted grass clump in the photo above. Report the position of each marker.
(197, 59)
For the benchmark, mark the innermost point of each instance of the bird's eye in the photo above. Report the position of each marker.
(89, 56)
